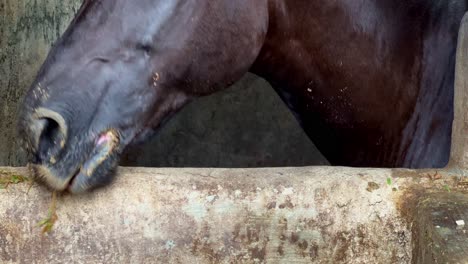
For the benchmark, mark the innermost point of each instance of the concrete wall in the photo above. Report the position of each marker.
(27, 29)
(247, 125)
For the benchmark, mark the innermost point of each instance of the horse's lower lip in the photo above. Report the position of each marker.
(105, 144)
(71, 181)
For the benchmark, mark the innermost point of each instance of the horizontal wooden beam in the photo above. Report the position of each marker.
(282, 215)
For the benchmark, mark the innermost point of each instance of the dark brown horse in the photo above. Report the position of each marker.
(371, 81)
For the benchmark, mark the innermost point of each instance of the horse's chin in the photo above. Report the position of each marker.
(94, 172)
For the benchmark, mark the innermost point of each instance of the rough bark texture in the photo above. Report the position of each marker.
(283, 215)
(245, 126)
(329, 215)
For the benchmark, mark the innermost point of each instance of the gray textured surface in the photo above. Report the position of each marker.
(281, 215)
(246, 125)
(440, 239)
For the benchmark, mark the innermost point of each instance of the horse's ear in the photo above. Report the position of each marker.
(459, 150)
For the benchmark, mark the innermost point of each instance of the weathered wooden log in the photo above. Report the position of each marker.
(282, 215)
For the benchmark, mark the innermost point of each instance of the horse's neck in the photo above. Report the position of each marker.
(382, 68)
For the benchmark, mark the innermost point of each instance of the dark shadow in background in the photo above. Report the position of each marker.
(246, 125)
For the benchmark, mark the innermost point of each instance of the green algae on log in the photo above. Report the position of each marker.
(7, 178)
(48, 223)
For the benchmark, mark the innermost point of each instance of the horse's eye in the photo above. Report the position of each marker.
(102, 59)
(146, 47)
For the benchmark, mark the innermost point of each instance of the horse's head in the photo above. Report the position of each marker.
(120, 70)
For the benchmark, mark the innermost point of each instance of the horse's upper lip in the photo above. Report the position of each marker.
(105, 144)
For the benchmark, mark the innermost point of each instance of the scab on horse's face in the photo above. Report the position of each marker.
(370, 81)
(121, 69)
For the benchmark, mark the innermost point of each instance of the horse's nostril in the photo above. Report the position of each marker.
(50, 132)
(49, 136)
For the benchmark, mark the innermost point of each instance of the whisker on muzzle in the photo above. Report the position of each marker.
(45, 176)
